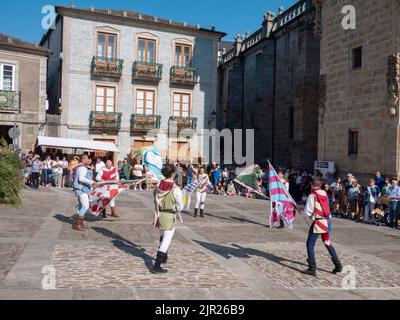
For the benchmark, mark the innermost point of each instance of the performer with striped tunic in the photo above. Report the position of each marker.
(317, 209)
(107, 174)
(201, 192)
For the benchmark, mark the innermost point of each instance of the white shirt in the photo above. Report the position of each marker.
(100, 166)
(138, 170)
(82, 172)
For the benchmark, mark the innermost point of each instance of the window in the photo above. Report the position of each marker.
(353, 142)
(147, 50)
(183, 55)
(7, 77)
(181, 105)
(106, 45)
(357, 57)
(145, 102)
(105, 99)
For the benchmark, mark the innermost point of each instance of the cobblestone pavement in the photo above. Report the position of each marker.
(230, 254)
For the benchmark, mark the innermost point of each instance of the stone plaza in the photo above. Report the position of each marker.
(230, 254)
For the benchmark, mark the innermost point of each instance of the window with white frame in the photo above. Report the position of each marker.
(105, 99)
(7, 77)
(181, 105)
(145, 101)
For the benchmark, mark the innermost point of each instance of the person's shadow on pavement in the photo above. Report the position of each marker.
(237, 251)
(126, 246)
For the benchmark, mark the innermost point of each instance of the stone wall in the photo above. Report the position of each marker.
(360, 99)
(272, 88)
(30, 81)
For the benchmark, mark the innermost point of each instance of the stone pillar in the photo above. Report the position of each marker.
(268, 23)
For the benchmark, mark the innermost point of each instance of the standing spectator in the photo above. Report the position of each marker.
(385, 200)
(372, 194)
(119, 167)
(217, 177)
(72, 165)
(126, 171)
(394, 198)
(179, 175)
(379, 181)
(64, 167)
(47, 171)
(99, 165)
(349, 182)
(354, 192)
(36, 166)
(58, 173)
(189, 174)
(138, 174)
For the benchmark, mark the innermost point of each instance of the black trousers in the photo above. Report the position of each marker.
(35, 179)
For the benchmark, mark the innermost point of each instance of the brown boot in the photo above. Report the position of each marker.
(114, 213)
(79, 224)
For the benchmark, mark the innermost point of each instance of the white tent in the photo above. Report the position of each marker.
(76, 144)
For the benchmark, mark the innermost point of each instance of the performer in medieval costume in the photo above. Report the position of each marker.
(317, 209)
(201, 192)
(83, 185)
(107, 174)
(168, 203)
(281, 175)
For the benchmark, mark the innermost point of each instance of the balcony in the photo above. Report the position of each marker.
(142, 123)
(10, 100)
(105, 121)
(184, 75)
(107, 67)
(182, 123)
(147, 71)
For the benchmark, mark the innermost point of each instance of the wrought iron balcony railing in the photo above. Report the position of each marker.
(147, 71)
(10, 100)
(184, 75)
(107, 67)
(105, 121)
(143, 122)
(183, 123)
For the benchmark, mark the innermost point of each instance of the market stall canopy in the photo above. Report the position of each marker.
(76, 144)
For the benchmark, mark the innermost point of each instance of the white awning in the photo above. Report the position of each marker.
(77, 144)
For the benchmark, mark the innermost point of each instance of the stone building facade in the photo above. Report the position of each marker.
(359, 87)
(23, 69)
(116, 75)
(269, 82)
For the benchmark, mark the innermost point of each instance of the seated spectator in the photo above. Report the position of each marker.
(231, 190)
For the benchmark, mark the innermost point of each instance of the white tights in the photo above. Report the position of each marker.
(167, 238)
(201, 200)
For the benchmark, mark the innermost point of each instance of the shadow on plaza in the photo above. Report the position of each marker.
(126, 246)
(231, 219)
(71, 220)
(236, 251)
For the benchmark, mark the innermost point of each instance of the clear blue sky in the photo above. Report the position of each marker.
(22, 18)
